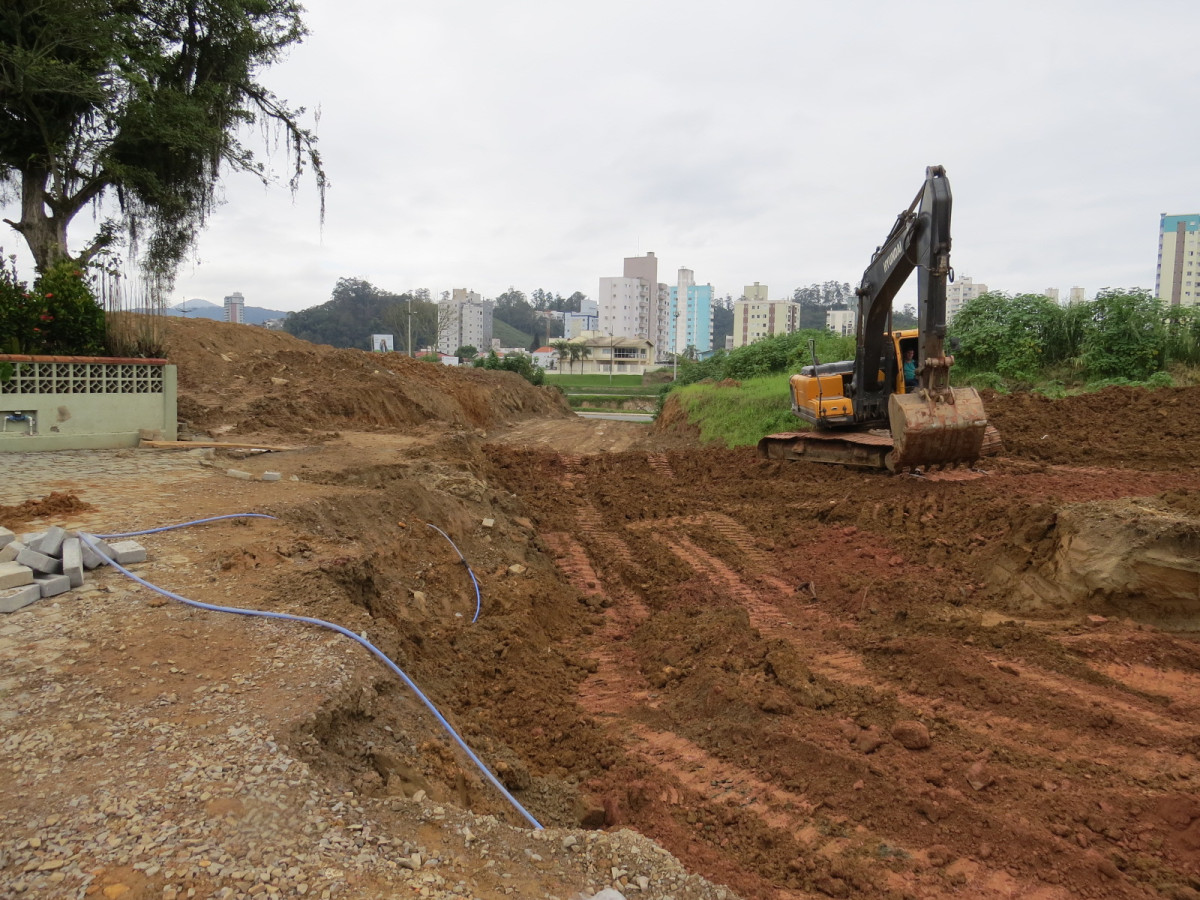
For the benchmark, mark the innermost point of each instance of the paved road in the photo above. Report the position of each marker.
(618, 416)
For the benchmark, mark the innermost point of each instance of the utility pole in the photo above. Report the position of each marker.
(675, 346)
(410, 300)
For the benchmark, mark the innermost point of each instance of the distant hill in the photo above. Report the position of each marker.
(202, 309)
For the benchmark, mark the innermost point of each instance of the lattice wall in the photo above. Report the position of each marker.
(84, 378)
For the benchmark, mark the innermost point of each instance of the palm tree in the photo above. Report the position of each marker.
(563, 349)
(578, 351)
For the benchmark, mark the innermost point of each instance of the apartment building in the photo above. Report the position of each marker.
(632, 304)
(464, 319)
(755, 317)
(235, 308)
(1177, 278)
(691, 313)
(959, 291)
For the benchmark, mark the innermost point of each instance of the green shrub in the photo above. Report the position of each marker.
(1126, 338)
(520, 364)
(19, 311)
(58, 315)
(73, 322)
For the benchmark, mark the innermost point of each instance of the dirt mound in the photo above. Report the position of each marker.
(242, 380)
(1118, 426)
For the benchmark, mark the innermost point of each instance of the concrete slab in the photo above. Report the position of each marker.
(72, 560)
(92, 559)
(39, 562)
(14, 574)
(19, 597)
(52, 541)
(53, 585)
(127, 552)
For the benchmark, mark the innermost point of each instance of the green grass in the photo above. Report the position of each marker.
(739, 416)
(509, 336)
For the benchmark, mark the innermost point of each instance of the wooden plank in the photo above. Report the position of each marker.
(216, 445)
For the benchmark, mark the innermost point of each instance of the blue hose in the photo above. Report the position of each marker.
(105, 537)
(332, 627)
(478, 602)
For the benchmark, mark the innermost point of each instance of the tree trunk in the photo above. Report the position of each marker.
(45, 234)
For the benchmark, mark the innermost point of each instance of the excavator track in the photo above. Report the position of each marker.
(860, 449)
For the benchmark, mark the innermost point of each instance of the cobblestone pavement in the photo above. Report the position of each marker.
(119, 484)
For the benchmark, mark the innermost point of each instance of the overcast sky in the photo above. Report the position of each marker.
(535, 144)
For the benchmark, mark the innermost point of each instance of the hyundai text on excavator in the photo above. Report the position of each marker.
(862, 413)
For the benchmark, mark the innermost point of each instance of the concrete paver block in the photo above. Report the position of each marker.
(52, 541)
(126, 552)
(39, 562)
(19, 597)
(32, 539)
(92, 559)
(6, 537)
(72, 560)
(53, 585)
(271, 476)
(9, 551)
(14, 575)
(238, 473)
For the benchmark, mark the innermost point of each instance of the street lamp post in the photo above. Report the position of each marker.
(410, 300)
(611, 357)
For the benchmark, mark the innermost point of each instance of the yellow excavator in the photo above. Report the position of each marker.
(862, 411)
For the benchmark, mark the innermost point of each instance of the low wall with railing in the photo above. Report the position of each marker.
(84, 403)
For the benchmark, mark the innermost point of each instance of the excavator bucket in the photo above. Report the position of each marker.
(936, 428)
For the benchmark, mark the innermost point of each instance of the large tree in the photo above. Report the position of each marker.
(141, 101)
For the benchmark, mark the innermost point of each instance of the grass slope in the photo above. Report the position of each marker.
(509, 336)
(739, 416)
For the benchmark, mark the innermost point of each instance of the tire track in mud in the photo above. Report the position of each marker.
(607, 691)
(661, 464)
(1122, 759)
(612, 693)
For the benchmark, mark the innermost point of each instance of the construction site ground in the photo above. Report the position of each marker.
(707, 675)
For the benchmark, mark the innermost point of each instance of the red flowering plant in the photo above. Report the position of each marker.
(58, 315)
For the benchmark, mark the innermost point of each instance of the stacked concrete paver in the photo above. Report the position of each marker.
(52, 562)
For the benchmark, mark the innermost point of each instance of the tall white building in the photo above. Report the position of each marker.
(1177, 278)
(959, 291)
(464, 319)
(633, 304)
(235, 308)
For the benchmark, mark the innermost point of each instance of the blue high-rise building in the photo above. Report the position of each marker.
(691, 313)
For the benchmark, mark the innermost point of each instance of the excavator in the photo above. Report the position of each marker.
(861, 410)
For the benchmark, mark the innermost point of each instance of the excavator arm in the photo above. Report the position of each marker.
(919, 240)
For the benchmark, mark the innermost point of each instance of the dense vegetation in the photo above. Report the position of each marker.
(357, 309)
(1029, 341)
